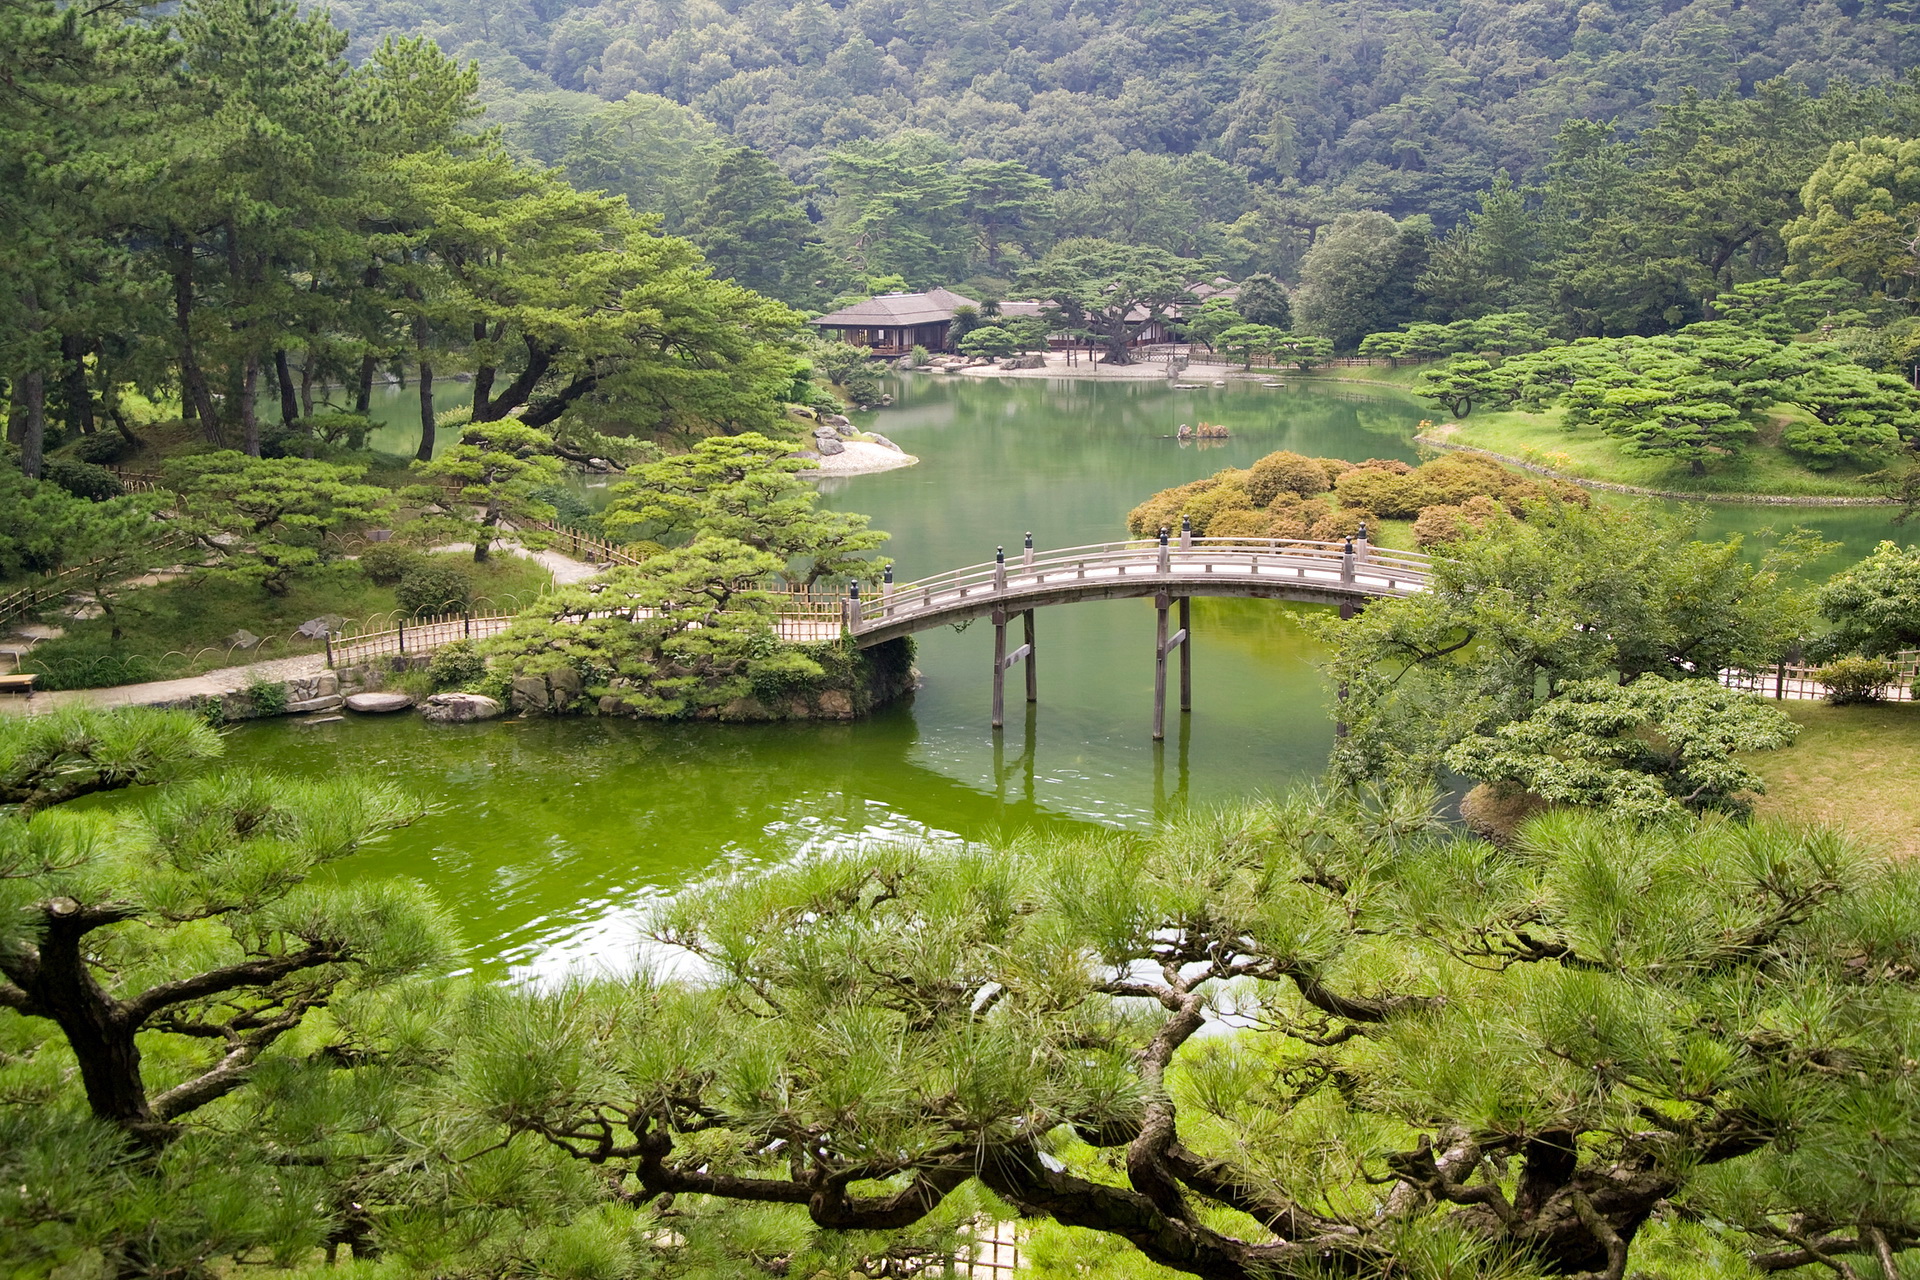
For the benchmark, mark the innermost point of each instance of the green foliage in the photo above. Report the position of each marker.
(267, 697)
(268, 518)
(50, 759)
(744, 489)
(1522, 610)
(1856, 680)
(82, 479)
(1033, 1018)
(1110, 289)
(387, 562)
(457, 666)
(1874, 606)
(991, 341)
(432, 585)
(1264, 300)
(691, 630)
(1359, 276)
(499, 470)
(1646, 750)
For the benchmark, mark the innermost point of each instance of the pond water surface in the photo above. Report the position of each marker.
(552, 836)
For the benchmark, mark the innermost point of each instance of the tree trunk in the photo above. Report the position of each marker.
(249, 420)
(482, 375)
(1699, 466)
(306, 384)
(289, 400)
(425, 452)
(33, 430)
(193, 379)
(363, 396)
(103, 1046)
(73, 359)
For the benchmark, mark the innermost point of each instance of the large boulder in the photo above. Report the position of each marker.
(378, 703)
(835, 420)
(883, 442)
(828, 445)
(1032, 360)
(301, 706)
(529, 693)
(459, 708)
(327, 624)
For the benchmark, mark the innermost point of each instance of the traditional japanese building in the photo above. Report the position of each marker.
(895, 323)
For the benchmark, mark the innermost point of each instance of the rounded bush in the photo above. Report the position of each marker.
(388, 562)
(1285, 472)
(82, 479)
(457, 665)
(1851, 681)
(1395, 496)
(434, 586)
(1240, 524)
(102, 447)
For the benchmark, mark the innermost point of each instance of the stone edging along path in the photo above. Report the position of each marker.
(1733, 499)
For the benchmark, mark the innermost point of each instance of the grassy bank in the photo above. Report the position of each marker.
(182, 627)
(1762, 468)
(1855, 767)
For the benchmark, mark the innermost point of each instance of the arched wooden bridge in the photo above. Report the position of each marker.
(1171, 570)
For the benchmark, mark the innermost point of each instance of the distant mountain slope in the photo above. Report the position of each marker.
(1405, 104)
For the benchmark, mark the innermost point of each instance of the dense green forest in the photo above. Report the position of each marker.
(1261, 120)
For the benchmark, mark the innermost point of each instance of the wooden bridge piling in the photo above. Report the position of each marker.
(1163, 645)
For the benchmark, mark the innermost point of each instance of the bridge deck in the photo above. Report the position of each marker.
(1318, 573)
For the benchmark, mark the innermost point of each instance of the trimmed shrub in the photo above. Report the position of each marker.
(1207, 507)
(102, 447)
(1334, 467)
(1394, 465)
(1459, 476)
(387, 562)
(1163, 508)
(434, 586)
(1443, 523)
(1240, 524)
(1391, 494)
(1851, 681)
(1284, 472)
(457, 665)
(1344, 523)
(82, 479)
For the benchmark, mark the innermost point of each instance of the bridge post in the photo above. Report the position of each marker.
(999, 569)
(999, 667)
(1160, 603)
(1346, 562)
(1026, 556)
(1360, 543)
(1166, 561)
(850, 611)
(1186, 533)
(1033, 676)
(886, 592)
(1186, 655)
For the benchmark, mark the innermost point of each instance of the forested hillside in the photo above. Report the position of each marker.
(1404, 105)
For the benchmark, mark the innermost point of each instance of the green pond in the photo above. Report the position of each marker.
(552, 836)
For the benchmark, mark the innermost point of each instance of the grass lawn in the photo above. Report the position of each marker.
(1855, 767)
(181, 627)
(1764, 467)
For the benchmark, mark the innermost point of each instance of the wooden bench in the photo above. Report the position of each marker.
(20, 683)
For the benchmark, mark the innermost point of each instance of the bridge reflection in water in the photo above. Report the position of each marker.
(1171, 570)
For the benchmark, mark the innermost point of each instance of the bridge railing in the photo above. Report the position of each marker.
(1139, 558)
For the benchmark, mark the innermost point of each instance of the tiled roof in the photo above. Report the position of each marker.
(898, 309)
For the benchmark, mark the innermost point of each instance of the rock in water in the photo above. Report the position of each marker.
(378, 702)
(459, 708)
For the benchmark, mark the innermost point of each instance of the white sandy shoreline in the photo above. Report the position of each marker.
(862, 458)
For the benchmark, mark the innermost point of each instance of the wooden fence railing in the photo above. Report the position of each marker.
(1791, 682)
